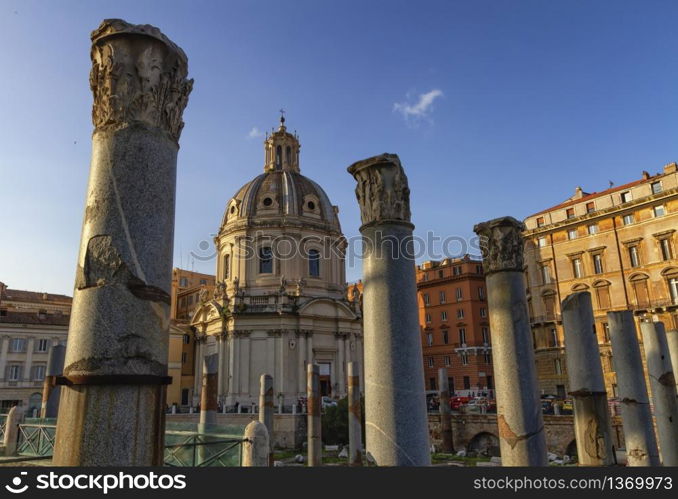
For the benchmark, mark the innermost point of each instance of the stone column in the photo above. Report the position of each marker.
(232, 374)
(671, 338)
(314, 442)
(592, 429)
(519, 417)
(197, 368)
(301, 374)
(445, 411)
(208, 394)
(663, 387)
(396, 422)
(11, 439)
(341, 370)
(355, 437)
(255, 447)
(50, 390)
(220, 370)
(640, 441)
(116, 357)
(266, 409)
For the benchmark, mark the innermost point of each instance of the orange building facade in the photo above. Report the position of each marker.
(454, 325)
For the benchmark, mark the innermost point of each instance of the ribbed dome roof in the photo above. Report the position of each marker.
(282, 193)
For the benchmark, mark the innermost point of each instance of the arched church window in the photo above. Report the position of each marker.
(278, 158)
(227, 264)
(314, 263)
(265, 260)
(288, 155)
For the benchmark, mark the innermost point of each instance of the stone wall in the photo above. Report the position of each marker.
(472, 430)
(289, 430)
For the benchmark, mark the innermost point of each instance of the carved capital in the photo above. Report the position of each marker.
(501, 243)
(382, 190)
(138, 76)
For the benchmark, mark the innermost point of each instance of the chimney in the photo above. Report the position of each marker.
(670, 168)
(646, 175)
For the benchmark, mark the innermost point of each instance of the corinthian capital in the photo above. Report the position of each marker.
(382, 191)
(138, 75)
(501, 243)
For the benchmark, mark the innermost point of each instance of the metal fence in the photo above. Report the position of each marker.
(3, 423)
(185, 444)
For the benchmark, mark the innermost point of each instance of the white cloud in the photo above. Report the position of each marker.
(255, 133)
(422, 109)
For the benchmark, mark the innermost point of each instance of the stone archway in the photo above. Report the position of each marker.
(571, 450)
(484, 444)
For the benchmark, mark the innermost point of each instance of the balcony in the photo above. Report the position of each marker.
(545, 319)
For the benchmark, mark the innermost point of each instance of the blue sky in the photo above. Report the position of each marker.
(494, 107)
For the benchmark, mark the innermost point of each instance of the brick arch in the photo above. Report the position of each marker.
(484, 443)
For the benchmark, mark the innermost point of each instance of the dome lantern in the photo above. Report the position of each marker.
(281, 149)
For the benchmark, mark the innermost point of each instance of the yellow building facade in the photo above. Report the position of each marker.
(618, 244)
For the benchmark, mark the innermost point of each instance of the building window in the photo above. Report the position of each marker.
(569, 213)
(429, 339)
(656, 187)
(634, 257)
(577, 268)
(456, 270)
(184, 396)
(38, 372)
(459, 294)
(666, 250)
(265, 260)
(572, 234)
(442, 297)
(14, 372)
(590, 207)
(481, 293)
(540, 221)
(184, 357)
(446, 360)
(42, 345)
(446, 337)
(314, 263)
(227, 266)
(487, 357)
(203, 282)
(430, 362)
(641, 291)
(432, 383)
(462, 336)
(427, 299)
(460, 313)
(486, 335)
(606, 332)
(598, 263)
(673, 289)
(603, 295)
(557, 366)
(545, 274)
(626, 197)
(483, 312)
(541, 242)
(554, 337)
(183, 282)
(628, 219)
(592, 229)
(428, 317)
(443, 316)
(658, 210)
(440, 274)
(186, 339)
(467, 381)
(18, 345)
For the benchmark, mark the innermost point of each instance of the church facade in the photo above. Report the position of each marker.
(280, 300)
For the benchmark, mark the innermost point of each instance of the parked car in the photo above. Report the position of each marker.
(328, 402)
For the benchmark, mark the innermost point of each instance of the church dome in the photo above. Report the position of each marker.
(282, 191)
